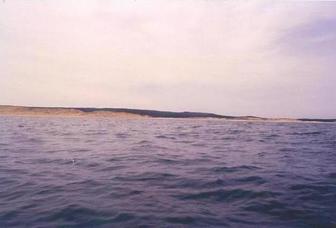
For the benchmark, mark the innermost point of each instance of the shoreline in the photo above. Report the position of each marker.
(138, 117)
(123, 113)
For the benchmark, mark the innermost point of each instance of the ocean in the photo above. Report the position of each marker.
(114, 172)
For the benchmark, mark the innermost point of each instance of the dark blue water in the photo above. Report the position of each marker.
(98, 172)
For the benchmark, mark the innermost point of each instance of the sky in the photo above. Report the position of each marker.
(263, 58)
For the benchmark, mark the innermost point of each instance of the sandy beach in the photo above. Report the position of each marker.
(64, 112)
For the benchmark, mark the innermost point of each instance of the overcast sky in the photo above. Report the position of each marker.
(272, 58)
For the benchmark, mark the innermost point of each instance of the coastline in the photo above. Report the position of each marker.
(61, 112)
(26, 111)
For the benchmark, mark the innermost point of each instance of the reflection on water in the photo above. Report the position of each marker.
(166, 173)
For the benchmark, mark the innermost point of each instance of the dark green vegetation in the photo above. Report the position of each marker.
(152, 113)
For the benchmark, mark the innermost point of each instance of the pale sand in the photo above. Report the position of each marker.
(64, 112)
(77, 112)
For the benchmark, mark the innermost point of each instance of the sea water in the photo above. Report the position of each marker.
(109, 172)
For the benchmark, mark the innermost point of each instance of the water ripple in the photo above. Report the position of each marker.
(66, 172)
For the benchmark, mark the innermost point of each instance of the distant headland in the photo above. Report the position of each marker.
(132, 113)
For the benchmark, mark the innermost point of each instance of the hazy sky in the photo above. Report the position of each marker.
(271, 58)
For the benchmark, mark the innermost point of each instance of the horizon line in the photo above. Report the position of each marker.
(166, 111)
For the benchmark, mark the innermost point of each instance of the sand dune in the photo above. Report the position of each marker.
(37, 111)
(133, 113)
